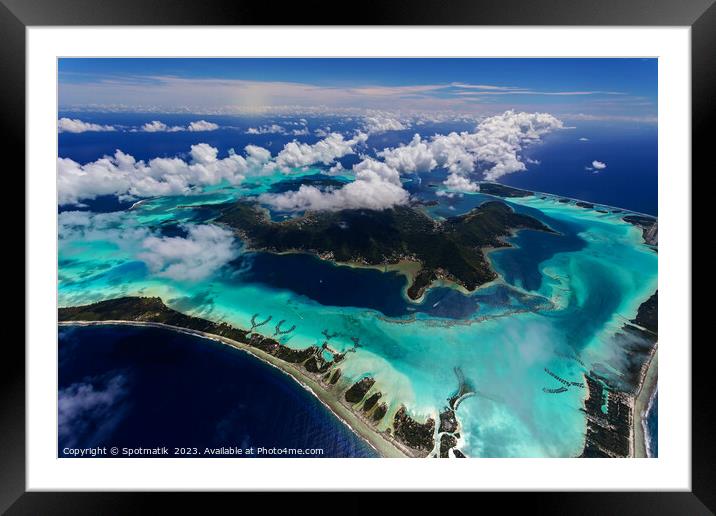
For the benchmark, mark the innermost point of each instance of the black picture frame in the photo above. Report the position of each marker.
(17, 15)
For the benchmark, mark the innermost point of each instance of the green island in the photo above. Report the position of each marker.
(450, 250)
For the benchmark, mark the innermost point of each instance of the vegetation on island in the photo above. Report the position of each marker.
(153, 310)
(450, 249)
(503, 190)
(649, 227)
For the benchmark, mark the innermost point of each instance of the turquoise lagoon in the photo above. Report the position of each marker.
(556, 305)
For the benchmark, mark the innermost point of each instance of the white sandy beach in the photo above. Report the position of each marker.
(641, 404)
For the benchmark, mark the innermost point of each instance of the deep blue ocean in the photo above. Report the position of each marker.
(146, 387)
(630, 152)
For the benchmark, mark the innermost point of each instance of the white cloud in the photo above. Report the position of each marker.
(266, 129)
(86, 413)
(204, 153)
(101, 177)
(380, 123)
(596, 166)
(417, 156)
(202, 125)
(326, 151)
(493, 149)
(448, 194)
(201, 253)
(75, 125)
(256, 155)
(583, 139)
(123, 175)
(336, 169)
(499, 140)
(120, 228)
(155, 126)
(377, 186)
(460, 183)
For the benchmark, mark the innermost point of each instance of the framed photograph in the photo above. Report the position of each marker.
(268, 255)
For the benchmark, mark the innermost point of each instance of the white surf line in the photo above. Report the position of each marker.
(555, 196)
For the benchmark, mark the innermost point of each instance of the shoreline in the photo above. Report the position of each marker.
(404, 267)
(409, 269)
(536, 193)
(642, 400)
(384, 446)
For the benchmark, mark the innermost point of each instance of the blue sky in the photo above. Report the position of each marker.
(598, 88)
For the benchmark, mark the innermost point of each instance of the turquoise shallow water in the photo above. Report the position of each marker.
(557, 304)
